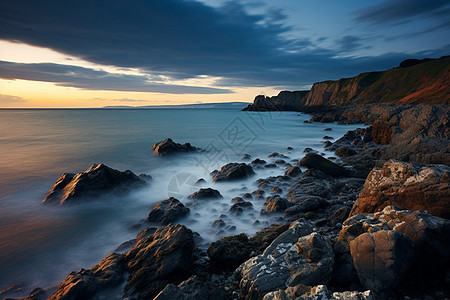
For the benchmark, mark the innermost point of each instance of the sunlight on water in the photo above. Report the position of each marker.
(40, 244)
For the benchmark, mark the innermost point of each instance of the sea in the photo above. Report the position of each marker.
(41, 244)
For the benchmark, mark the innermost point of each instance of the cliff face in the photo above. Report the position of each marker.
(285, 100)
(413, 82)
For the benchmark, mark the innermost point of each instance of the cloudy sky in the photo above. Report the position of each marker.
(95, 53)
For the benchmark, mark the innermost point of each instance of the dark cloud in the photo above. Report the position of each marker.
(9, 99)
(180, 39)
(399, 11)
(89, 79)
(350, 43)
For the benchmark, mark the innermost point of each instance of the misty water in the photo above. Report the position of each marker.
(41, 244)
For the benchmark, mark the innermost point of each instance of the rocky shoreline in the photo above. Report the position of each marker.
(371, 225)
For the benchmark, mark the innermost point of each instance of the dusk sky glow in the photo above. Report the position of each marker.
(98, 53)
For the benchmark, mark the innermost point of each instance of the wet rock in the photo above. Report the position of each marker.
(125, 246)
(406, 186)
(219, 223)
(339, 216)
(289, 148)
(229, 252)
(308, 150)
(316, 161)
(327, 144)
(168, 147)
(258, 162)
(276, 204)
(167, 211)
(237, 200)
(192, 289)
(345, 152)
(276, 154)
(238, 208)
(246, 157)
(207, 193)
(233, 171)
(270, 166)
(247, 196)
(381, 258)
(293, 171)
(158, 259)
(277, 190)
(328, 137)
(200, 182)
(93, 182)
(280, 162)
(84, 284)
(259, 194)
(311, 203)
(327, 129)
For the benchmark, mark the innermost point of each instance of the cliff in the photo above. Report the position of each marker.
(413, 82)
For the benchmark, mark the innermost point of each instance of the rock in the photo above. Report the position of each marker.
(207, 193)
(219, 223)
(289, 148)
(247, 196)
(295, 257)
(381, 259)
(276, 154)
(167, 211)
(258, 161)
(339, 216)
(233, 171)
(259, 194)
(158, 259)
(229, 252)
(168, 147)
(428, 234)
(310, 204)
(407, 186)
(200, 182)
(316, 161)
(125, 246)
(276, 204)
(192, 289)
(246, 157)
(280, 162)
(293, 171)
(277, 190)
(93, 182)
(345, 152)
(239, 207)
(270, 166)
(84, 284)
(328, 137)
(327, 129)
(382, 132)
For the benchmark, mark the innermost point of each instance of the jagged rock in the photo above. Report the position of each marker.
(233, 171)
(429, 235)
(93, 182)
(276, 203)
(295, 257)
(158, 259)
(168, 147)
(84, 284)
(406, 186)
(381, 258)
(192, 289)
(207, 193)
(293, 171)
(229, 252)
(167, 211)
(316, 161)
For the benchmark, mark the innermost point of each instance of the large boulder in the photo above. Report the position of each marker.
(295, 257)
(84, 284)
(316, 161)
(158, 259)
(381, 258)
(167, 211)
(192, 289)
(168, 147)
(229, 252)
(233, 171)
(93, 182)
(407, 186)
(428, 238)
(276, 203)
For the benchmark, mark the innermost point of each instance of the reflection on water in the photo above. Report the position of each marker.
(40, 245)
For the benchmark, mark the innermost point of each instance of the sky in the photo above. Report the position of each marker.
(79, 53)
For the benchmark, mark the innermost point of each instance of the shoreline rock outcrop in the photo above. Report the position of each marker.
(94, 182)
(169, 147)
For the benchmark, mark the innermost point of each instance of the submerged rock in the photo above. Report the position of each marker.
(167, 211)
(207, 193)
(233, 171)
(168, 147)
(407, 186)
(93, 182)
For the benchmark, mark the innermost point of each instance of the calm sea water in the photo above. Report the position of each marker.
(40, 244)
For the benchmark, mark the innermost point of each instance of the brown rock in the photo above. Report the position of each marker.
(407, 186)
